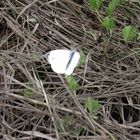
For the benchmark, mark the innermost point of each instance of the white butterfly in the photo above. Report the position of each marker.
(63, 61)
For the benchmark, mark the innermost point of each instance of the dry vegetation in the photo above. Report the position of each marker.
(35, 102)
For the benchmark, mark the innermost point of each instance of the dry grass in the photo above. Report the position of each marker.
(28, 29)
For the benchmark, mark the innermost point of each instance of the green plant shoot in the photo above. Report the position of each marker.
(108, 23)
(72, 83)
(129, 33)
(112, 6)
(95, 4)
(92, 105)
(82, 60)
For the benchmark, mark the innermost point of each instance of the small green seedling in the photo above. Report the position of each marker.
(82, 60)
(72, 83)
(129, 33)
(92, 105)
(95, 4)
(112, 6)
(108, 23)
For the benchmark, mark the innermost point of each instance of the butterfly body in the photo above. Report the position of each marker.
(63, 61)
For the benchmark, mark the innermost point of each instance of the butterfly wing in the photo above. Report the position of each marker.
(63, 61)
(73, 63)
(58, 60)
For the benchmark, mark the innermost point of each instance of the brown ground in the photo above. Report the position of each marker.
(36, 104)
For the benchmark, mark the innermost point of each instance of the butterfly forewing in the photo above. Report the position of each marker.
(73, 63)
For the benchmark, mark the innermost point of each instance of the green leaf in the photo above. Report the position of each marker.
(27, 92)
(92, 105)
(82, 60)
(108, 23)
(129, 33)
(72, 83)
(112, 6)
(95, 4)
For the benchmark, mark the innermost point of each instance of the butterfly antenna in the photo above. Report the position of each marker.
(46, 55)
